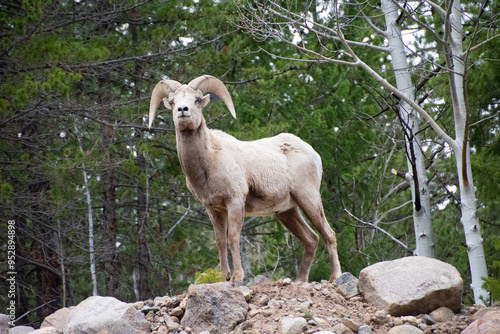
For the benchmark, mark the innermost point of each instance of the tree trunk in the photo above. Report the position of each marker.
(109, 233)
(461, 149)
(141, 248)
(424, 236)
(110, 227)
(93, 272)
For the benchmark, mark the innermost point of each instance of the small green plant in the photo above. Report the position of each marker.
(492, 283)
(308, 315)
(208, 276)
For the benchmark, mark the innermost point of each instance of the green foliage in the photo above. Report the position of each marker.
(492, 283)
(6, 190)
(209, 276)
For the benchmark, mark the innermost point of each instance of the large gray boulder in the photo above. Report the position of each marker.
(21, 330)
(487, 324)
(58, 319)
(105, 313)
(411, 285)
(216, 308)
(4, 323)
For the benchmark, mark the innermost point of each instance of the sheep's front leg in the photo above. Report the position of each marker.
(219, 222)
(236, 216)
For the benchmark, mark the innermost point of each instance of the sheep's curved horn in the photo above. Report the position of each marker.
(208, 83)
(161, 91)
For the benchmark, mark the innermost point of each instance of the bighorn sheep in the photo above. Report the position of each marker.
(234, 179)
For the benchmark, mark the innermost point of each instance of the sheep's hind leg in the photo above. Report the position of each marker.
(293, 221)
(219, 222)
(311, 206)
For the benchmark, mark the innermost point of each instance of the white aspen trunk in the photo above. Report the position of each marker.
(62, 261)
(91, 219)
(468, 201)
(424, 236)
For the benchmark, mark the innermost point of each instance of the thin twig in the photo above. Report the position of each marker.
(379, 229)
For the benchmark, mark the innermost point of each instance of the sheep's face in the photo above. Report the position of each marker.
(187, 105)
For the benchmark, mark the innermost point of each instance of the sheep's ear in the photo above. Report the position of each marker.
(205, 101)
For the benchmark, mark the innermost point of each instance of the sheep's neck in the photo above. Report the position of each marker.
(194, 149)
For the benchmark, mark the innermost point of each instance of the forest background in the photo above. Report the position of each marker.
(83, 179)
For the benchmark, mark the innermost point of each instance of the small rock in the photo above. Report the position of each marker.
(347, 285)
(312, 322)
(253, 313)
(245, 291)
(411, 320)
(171, 325)
(351, 324)
(252, 307)
(324, 332)
(422, 327)
(342, 329)
(405, 329)
(357, 298)
(321, 322)
(160, 301)
(246, 325)
(138, 305)
(293, 325)
(264, 299)
(21, 330)
(428, 320)
(326, 292)
(442, 314)
(147, 309)
(176, 312)
(304, 306)
(364, 329)
(318, 286)
(381, 318)
(267, 313)
(274, 303)
(397, 322)
(163, 329)
(173, 302)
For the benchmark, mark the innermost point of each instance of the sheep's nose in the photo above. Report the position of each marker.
(183, 111)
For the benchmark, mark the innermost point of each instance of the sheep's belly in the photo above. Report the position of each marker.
(261, 207)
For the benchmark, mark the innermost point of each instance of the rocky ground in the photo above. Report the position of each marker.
(318, 303)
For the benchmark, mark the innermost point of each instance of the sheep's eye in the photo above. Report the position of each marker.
(171, 102)
(198, 100)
